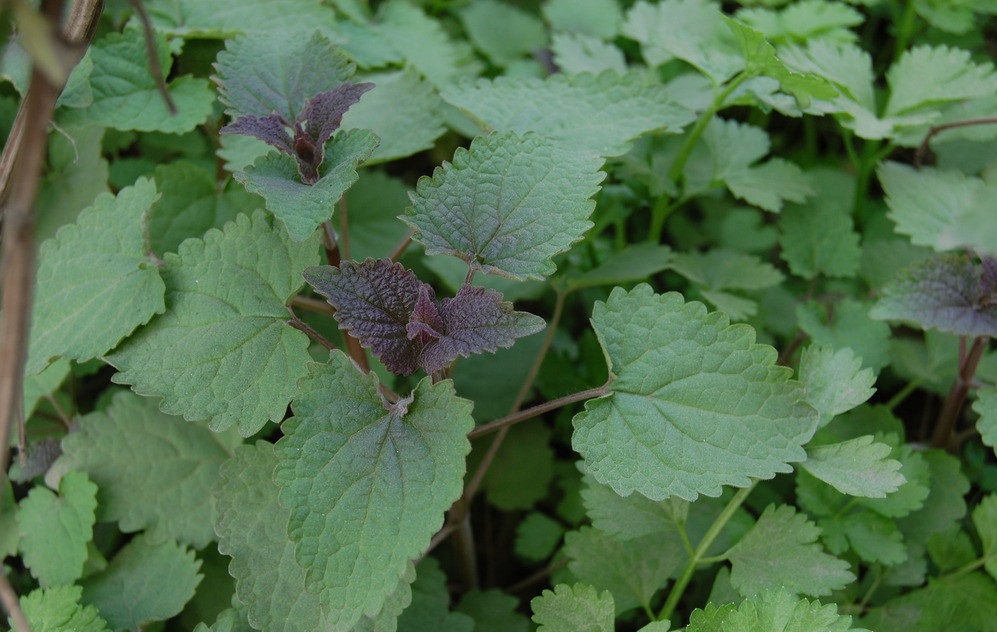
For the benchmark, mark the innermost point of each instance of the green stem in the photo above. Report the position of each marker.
(903, 394)
(700, 554)
(873, 151)
(905, 29)
(967, 568)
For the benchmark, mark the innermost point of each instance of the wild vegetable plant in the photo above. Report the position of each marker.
(560, 314)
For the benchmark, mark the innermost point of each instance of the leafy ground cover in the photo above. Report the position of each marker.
(488, 315)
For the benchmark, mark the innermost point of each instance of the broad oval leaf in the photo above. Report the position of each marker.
(507, 205)
(367, 482)
(695, 403)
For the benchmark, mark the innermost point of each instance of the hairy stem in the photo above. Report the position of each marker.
(711, 535)
(949, 414)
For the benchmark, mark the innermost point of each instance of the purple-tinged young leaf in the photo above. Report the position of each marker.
(270, 129)
(374, 302)
(946, 292)
(477, 319)
(325, 110)
(425, 324)
(988, 280)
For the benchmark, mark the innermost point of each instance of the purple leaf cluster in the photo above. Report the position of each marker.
(317, 122)
(397, 316)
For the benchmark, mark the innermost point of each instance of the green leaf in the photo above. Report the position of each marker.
(945, 292)
(985, 521)
(537, 536)
(575, 608)
(874, 538)
(945, 504)
(694, 400)
(945, 210)
(576, 54)
(719, 269)
(228, 620)
(986, 407)
(521, 471)
(951, 550)
(494, 208)
(803, 21)
(503, 32)
(835, 380)
(857, 467)
(582, 113)
(596, 18)
(9, 535)
(926, 76)
(632, 570)
(297, 69)
(911, 495)
(58, 609)
(633, 263)
(144, 582)
(493, 611)
(847, 324)
(344, 452)
(154, 472)
(780, 610)
(819, 238)
(225, 18)
(190, 205)
(781, 550)
(302, 207)
(222, 350)
(55, 529)
(96, 282)
(77, 174)
(373, 205)
(960, 602)
(430, 609)
(404, 112)
(125, 94)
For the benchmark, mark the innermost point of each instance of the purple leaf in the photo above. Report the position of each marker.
(988, 280)
(324, 112)
(425, 324)
(270, 129)
(374, 302)
(477, 320)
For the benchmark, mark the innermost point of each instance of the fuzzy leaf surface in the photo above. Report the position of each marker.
(225, 18)
(926, 76)
(302, 207)
(857, 467)
(154, 472)
(835, 380)
(125, 95)
(367, 482)
(55, 529)
(507, 205)
(95, 280)
(521, 33)
(297, 69)
(222, 350)
(945, 292)
(781, 550)
(58, 609)
(946, 210)
(144, 582)
(575, 608)
(583, 113)
(780, 610)
(695, 401)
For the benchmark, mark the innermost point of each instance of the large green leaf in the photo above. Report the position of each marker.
(507, 205)
(367, 481)
(695, 403)
(96, 282)
(154, 472)
(223, 351)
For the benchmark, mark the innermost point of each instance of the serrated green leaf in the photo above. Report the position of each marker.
(945, 504)
(144, 582)
(88, 274)
(494, 208)
(874, 538)
(847, 324)
(857, 467)
(803, 21)
(710, 618)
(720, 269)
(222, 350)
(430, 609)
(537, 536)
(596, 18)
(404, 112)
(225, 18)
(633, 263)
(125, 94)
(45, 383)
(960, 602)
(576, 54)
(493, 611)
(373, 205)
(986, 407)
(911, 495)
(302, 207)
(58, 609)
(781, 550)
(694, 400)
(190, 205)
(154, 472)
(55, 529)
(819, 238)
(297, 69)
(575, 608)
(780, 610)
(519, 475)
(951, 550)
(925, 76)
(632, 570)
(835, 380)
(228, 620)
(77, 174)
(582, 113)
(945, 210)
(344, 452)
(985, 521)
(944, 292)
(503, 32)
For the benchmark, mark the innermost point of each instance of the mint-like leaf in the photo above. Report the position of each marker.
(857, 467)
(507, 205)
(575, 608)
(835, 380)
(780, 610)
(367, 482)
(694, 400)
(58, 609)
(944, 292)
